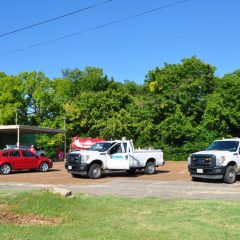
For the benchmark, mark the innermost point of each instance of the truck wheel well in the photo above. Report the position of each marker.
(96, 162)
(150, 160)
(232, 164)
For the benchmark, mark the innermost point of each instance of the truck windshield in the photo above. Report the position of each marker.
(101, 146)
(230, 146)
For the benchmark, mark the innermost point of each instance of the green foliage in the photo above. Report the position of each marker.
(37, 96)
(11, 98)
(91, 79)
(223, 106)
(181, 107)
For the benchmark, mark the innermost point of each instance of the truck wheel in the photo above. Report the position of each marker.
(230, 175)
(5, 169)
(149, 168)
(95, 171)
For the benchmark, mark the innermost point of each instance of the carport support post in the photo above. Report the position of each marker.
(65, 138)
(18, 128)
(18, 136)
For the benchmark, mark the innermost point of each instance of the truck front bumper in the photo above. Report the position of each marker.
(207, 172)
(80, 169)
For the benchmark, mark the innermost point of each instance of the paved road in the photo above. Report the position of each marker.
(142, 188)
(171, 181)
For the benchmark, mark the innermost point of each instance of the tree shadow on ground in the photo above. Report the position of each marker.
(218, 181)
(123, 174)
(133, 175)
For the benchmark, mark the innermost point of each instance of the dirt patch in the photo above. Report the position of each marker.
(171, 171)
(10, 195)
(8, 217)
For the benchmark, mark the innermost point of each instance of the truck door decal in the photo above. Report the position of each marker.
(117, 157)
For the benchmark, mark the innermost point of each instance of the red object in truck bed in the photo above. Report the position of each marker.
(84, 143)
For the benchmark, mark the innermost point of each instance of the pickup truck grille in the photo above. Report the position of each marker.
(73, 158)
(203, 160)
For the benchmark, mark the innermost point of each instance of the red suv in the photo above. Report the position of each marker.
(17, 159)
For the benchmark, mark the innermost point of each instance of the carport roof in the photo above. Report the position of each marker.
(28, 129)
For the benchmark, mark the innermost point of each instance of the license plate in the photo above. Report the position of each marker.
(69, 167)
(199, 170)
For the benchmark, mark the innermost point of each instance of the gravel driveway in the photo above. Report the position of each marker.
(171, 181)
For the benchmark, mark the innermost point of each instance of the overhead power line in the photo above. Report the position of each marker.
(54, 19)
(97, 27)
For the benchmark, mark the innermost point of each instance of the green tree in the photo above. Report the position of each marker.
(37, 94)
(186, 84)
(222, 113)
(181, 91)
(90, 79)
(11, 98)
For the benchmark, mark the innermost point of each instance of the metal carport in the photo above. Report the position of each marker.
(23, 129)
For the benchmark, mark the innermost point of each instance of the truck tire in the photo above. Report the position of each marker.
(230, 175)
(95, 171)
(149, 168)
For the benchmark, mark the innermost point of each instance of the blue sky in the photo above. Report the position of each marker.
(208, 29)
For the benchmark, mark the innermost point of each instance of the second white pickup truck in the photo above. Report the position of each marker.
(112, 156)
(221, 160)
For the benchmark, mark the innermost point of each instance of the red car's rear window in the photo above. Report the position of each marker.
(15, 153)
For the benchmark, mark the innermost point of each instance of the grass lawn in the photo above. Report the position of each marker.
(42, 215)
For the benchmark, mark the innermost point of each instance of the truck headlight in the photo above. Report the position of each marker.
(85, 158)
(220, 160)
(189, 160)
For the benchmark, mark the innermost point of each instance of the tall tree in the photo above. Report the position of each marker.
(37, 91)
(11, 98)
(186, 84)
(90, 79)
(222, 113)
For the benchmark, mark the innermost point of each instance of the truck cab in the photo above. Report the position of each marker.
(112, 156)
(221, 160)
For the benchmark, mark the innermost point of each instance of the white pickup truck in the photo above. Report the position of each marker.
(221, 160)
(112, 156)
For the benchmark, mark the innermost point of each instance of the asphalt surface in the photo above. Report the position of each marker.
(172, 181)
(143, 188)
